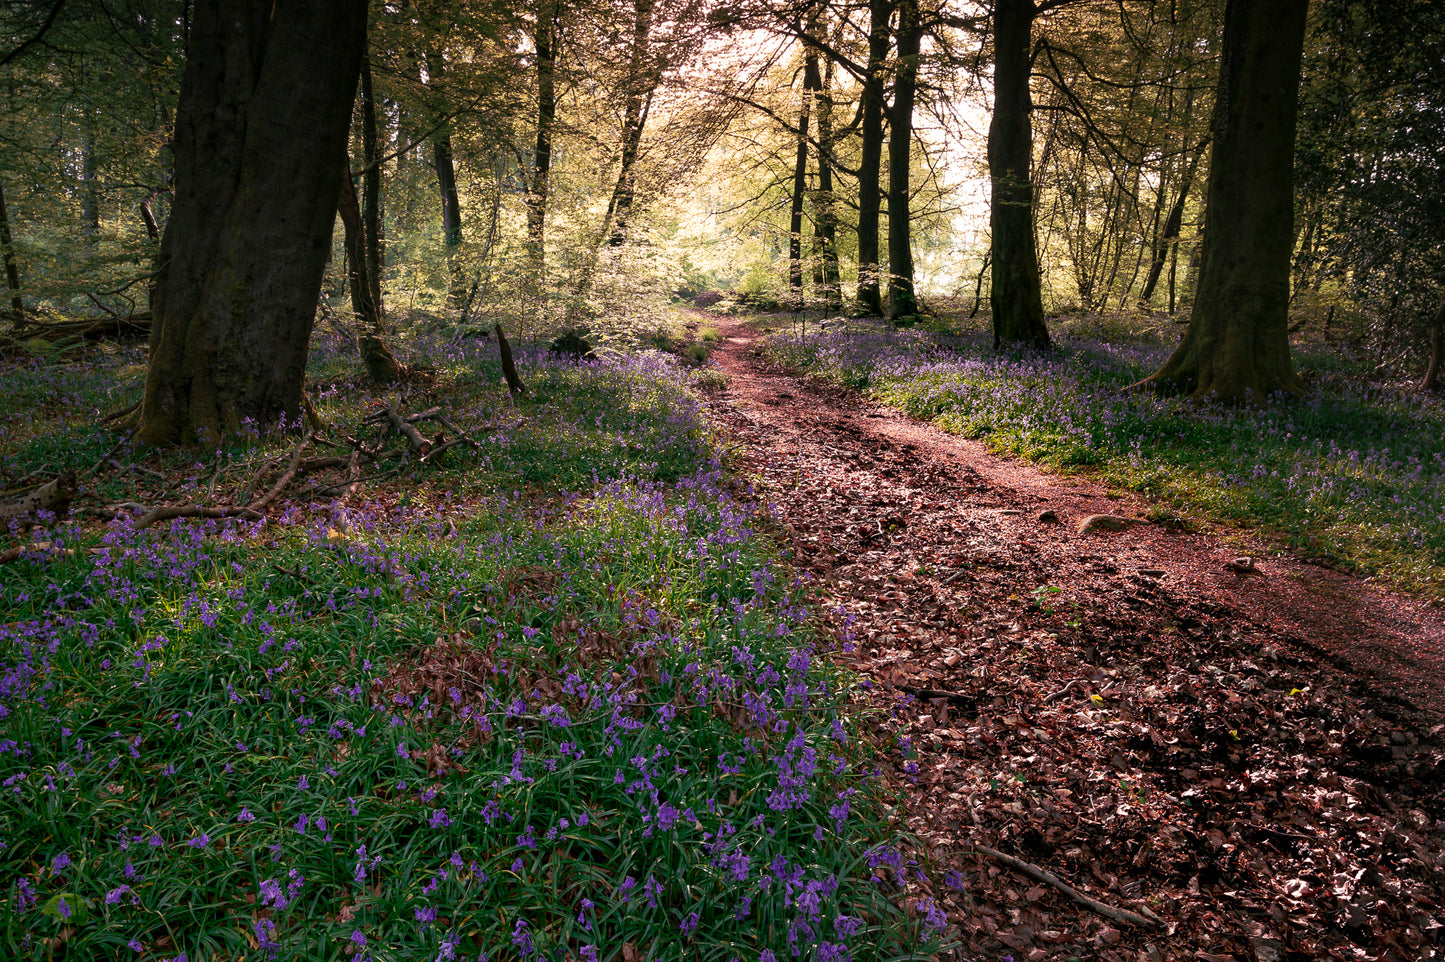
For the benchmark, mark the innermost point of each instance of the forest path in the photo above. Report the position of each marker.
(1000, 644)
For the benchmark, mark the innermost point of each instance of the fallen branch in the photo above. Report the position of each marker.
(34, 548)
(1143, 917)
(54, 497)
(952, 697)
(168, 512)
(413, 437)
(287, 476)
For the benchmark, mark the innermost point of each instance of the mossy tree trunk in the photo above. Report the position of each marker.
(1236, 348)
(1016, 294)
(261, 134)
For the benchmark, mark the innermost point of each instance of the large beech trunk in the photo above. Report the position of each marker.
(1016, 295)
(901, 299)
(261, 134)
(1236, 348)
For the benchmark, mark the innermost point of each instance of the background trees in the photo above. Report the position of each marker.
(546, 164)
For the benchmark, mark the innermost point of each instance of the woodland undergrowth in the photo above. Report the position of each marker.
(547, 695)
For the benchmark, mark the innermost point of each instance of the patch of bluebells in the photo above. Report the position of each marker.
(177, 701)
(1349, 469)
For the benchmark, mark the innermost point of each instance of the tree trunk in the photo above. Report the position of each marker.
(1236, 348)
(444, 163)
(12, 268)
(381, 365)
(1432, 381)
(642, 78)
(901, 299)
(544, 38)
(89, 192)
(824, 203)
(870, 162)
(1016, 294)
(371, 196)
(261, 134)
(1169, 236)
(445, 167)
(800, 184)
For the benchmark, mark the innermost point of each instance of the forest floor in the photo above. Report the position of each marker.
(1173, 721)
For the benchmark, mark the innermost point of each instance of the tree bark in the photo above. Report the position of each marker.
(544, 39)
(374, 232)
(381, 364)
(444, 163)
(1173, 224)
(89, 192)
(824, 203)
(870, 161)
(1016, 294)
(800, 183)
(1432, 381)
(642, 78)
(12, 267)
(1236, 348)
(261, 134)
(902, 301)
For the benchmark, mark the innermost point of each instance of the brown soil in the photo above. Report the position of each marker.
(1255, 755)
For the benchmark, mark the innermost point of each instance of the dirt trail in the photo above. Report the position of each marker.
(1125, 709)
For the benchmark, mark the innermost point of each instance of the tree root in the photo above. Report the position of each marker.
(1143, 917)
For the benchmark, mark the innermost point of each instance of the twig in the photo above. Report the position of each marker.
(116, 415)
(1049, 700)
(435, 452)
(297, 574)
(1142, 917)
(111, 453)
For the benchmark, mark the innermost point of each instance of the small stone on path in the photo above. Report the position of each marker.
(1096, 523)
(1048, 517)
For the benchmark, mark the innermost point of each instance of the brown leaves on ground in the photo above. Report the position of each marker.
(1107, 708)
